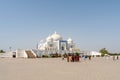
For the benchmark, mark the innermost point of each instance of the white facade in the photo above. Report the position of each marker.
(55, 43)
(6, 55)
(20, 53)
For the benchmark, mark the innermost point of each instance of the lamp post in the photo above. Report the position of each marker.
(10, 48)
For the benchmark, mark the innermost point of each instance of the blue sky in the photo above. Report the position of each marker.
(92, 24)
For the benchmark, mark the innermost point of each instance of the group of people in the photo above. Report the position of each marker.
(73, 58)
(115, 57)
(76, 58)
(87, 56)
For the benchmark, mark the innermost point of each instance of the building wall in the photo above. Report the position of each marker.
(21, 53)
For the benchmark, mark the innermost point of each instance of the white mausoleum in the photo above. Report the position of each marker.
(51, 45)
(56, 43)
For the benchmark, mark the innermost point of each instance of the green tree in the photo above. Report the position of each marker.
(1, 51)
(76, 54)
(103, 51)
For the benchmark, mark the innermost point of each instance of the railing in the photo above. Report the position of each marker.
(39, 53)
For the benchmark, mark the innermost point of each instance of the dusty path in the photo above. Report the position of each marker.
(56, 69)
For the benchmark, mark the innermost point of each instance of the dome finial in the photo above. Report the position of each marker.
(56, 36)
(55, 32)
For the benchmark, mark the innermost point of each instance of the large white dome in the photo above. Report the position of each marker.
(49, 39)
(56, 37)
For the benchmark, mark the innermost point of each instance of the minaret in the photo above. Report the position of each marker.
(37, 46)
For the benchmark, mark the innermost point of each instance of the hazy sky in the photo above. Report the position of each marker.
(92, 24)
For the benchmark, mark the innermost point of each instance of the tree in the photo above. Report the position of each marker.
(1, 51)
(103, 51)
(76, 54)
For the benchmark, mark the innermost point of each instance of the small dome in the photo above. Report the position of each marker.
(56, 37)
(45, 44)
(70, 40)
(49, 39)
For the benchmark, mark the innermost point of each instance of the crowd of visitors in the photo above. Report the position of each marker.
(116, 57)
(75, 57)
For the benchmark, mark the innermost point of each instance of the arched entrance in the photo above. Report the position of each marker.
(63, 47)
(14, 55)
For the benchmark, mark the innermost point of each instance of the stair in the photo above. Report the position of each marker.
(30, 54)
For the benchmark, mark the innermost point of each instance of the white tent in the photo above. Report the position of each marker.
(94, 53)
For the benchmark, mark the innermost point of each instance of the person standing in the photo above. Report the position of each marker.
(113, 58)
(67, 58)
(89, 57)
(62, 57)
(117, 57)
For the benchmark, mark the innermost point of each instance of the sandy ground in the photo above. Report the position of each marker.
(56, 69)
